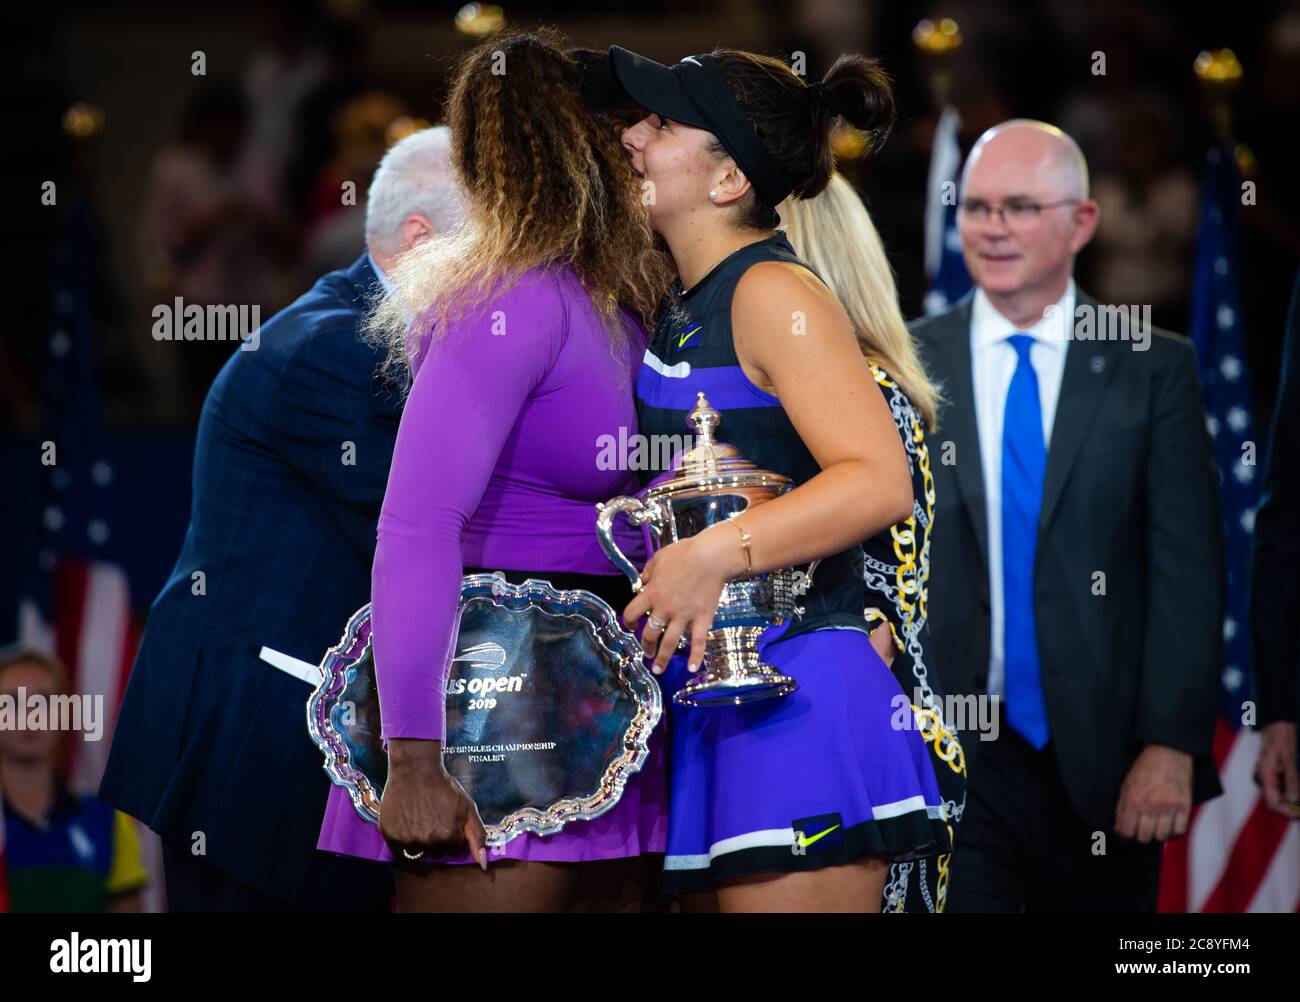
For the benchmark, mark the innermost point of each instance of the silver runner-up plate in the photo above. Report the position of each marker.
(549, 708)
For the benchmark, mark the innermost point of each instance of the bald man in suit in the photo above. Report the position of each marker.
(1076, 572)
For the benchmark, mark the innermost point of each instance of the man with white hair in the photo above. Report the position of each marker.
(1076, 565)
(411, 197)
(291, 461)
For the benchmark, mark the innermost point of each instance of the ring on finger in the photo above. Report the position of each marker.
(654, 622)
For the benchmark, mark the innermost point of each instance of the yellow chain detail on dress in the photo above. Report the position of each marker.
(944, 742)
(927, 479)
(904, 581)
(874, 615)
(911, 578)
(941, 885)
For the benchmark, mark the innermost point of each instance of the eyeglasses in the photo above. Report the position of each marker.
(1016, 212)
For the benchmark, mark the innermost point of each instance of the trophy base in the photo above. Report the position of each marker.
(732, 691)
(732, 673)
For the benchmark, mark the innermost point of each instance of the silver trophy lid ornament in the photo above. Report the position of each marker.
(708, 484)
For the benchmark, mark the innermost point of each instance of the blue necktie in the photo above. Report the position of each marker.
(1024, 460)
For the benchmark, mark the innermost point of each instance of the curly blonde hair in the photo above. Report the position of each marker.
(545, 179)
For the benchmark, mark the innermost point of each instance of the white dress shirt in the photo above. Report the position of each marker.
(993, 362)
(384, 280)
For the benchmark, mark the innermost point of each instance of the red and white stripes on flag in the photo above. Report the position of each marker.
(100, 640)
(1237, 855)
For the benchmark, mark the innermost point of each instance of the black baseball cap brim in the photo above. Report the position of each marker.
(655, 87)
(694, 92)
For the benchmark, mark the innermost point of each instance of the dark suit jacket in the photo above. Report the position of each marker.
(282, 531)
(1130, 490)
(1275, 579)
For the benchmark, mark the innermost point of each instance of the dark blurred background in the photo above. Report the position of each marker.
(225, 187)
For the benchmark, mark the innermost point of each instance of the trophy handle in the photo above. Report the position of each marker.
(638, 513)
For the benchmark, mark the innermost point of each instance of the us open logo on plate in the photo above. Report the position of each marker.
(488, 656)
(485, 657)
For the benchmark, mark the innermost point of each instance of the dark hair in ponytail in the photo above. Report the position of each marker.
(794, 119)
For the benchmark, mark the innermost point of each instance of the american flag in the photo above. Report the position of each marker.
(77, 601)
(1237, 855)
(944, 267)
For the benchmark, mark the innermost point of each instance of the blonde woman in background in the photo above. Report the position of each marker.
(834, 234)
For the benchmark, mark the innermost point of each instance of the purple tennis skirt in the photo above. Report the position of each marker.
(821, 777)
(637, 823)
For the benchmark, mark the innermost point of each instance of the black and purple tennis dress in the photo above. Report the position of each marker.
(832, 772)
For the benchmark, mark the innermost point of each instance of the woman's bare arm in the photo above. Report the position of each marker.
(795, 341)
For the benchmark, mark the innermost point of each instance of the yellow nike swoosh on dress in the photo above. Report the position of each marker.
(682, 339)
(805, 841)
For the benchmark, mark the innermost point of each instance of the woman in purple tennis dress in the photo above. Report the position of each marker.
(529, 335)
(798, 803)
